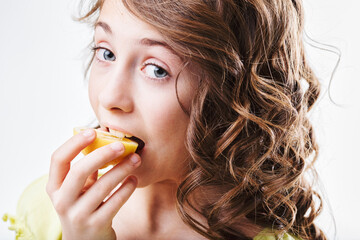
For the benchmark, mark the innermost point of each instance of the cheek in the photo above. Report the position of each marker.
(187, 88)
(93, 91)
(165, 114)
(92, 97)
(166, 119)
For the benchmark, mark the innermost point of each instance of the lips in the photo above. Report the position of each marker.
(119, 134)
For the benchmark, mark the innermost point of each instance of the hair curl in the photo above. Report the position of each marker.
(249, 135)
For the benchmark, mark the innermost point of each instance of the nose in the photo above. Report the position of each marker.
(116, 94)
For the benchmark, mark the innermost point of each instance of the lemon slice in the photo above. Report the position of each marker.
(104, 138)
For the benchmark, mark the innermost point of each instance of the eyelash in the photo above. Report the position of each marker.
(144, 65)
(95, 49)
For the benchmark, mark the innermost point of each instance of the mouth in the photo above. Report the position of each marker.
(121, 135)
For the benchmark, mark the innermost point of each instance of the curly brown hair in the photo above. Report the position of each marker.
(249, 136)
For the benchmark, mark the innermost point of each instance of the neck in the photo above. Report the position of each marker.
(151, 213)
(158, 203)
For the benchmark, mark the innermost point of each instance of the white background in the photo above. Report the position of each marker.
(43, 96)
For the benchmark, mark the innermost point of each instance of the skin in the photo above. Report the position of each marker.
(131, 89)
(128, 92)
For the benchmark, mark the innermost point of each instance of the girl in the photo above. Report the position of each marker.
(218, 91)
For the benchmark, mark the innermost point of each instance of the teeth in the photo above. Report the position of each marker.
(116, 133)
(128, 135)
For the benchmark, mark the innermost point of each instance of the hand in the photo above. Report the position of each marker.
(81, 200)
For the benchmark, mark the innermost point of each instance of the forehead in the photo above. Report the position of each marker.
(120, 24)
(121, 20)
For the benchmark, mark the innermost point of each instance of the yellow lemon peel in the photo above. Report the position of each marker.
(104, 138)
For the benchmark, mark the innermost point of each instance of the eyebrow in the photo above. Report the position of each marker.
(104, 26)
(144, 41)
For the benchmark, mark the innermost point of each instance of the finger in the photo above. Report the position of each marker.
(90, 181)
(80, 171)
(109, 209)
(62, 157)
(108, 182)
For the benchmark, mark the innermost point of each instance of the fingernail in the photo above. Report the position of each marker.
(134, 159)
(88, 133)
(117, 146)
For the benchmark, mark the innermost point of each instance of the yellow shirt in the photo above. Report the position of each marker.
(36, 219)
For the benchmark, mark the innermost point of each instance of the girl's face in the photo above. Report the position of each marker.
(132, 89)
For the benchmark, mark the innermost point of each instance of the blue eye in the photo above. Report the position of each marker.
(154, 71)
(104, 54)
